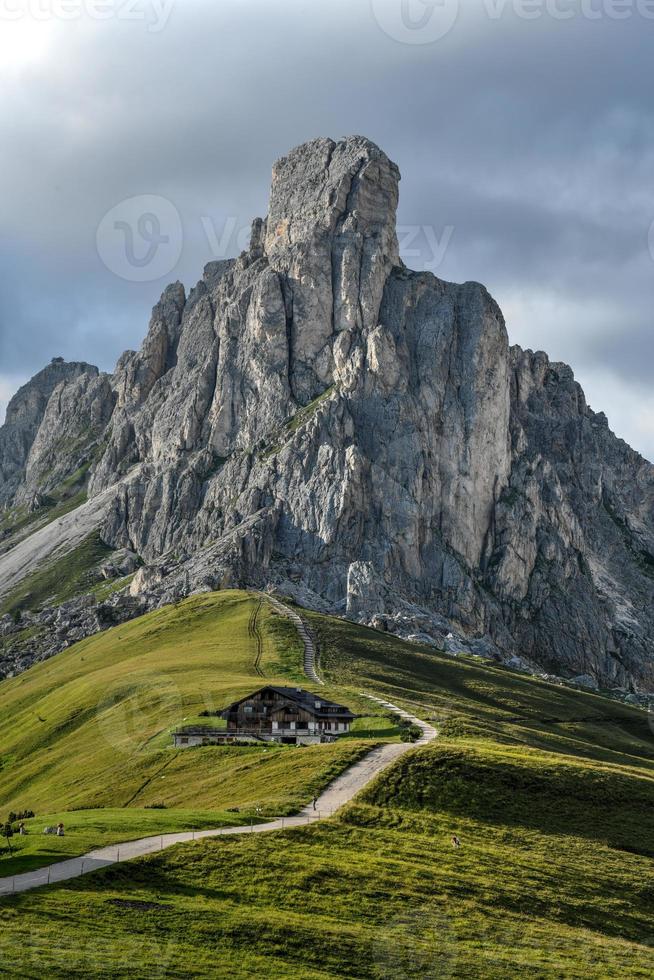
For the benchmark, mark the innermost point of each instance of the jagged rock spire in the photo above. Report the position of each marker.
(331, 236)
(317, 416)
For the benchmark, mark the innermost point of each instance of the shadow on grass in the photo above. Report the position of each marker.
(581, 801)
(376, 733)
(17, 863)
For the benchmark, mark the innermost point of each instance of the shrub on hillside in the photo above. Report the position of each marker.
(21, 815)
(411, 733)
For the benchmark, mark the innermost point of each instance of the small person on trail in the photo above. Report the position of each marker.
(22, 830)
(455, 841)
(315, 802)
(60, 830)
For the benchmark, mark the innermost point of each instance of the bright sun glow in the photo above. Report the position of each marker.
(23, 43)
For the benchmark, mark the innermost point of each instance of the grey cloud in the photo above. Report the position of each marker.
(532, 140)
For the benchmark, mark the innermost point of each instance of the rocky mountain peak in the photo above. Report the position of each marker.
(330, 236)
(24, 417)
(27, 406)
(329, 189)
(315, 416)
(137, 372)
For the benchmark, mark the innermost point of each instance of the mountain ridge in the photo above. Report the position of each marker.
(316, 417)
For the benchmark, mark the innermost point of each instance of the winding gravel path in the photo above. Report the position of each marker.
(310, 655)
(338, 793)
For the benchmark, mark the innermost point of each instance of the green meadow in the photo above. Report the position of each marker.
(88, 734)
(549, 790)
(92, 727)
(86, 830)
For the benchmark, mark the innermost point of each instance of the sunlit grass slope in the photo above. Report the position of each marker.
(89, 829)
(542, 886)
(550, 791)
(475, 699)
(91, 727)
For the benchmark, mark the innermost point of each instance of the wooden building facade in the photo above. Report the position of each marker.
(288, 714)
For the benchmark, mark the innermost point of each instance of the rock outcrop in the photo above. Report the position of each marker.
(24, 420)
(315, 416)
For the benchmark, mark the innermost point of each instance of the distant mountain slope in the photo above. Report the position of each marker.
(315, 415)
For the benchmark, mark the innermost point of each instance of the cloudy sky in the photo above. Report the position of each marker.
(137, 141)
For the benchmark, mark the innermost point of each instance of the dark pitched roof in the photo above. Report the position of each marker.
(305, 699)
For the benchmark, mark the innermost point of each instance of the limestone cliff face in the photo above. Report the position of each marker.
(24, 419)
(316, 416)
(573, 542)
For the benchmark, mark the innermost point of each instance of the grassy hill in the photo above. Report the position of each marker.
(92, 726)
(90, 729)
(550, 790)
(471, 698)
(377, 893)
